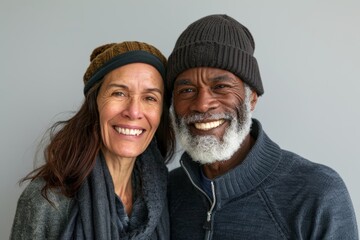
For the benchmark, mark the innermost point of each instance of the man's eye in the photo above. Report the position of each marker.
(220, 86)
(186, 90)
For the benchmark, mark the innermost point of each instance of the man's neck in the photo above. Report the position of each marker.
(219, 168)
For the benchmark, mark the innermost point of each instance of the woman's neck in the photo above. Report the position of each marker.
(121, 171)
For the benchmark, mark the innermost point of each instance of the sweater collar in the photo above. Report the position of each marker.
(260, 162)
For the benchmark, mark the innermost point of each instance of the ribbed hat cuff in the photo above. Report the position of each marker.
(136, 56)
(215, 55)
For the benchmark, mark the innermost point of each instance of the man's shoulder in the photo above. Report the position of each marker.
(313, 173)
(176, 172)
(177, 176)
(310, 166)
(179, 181)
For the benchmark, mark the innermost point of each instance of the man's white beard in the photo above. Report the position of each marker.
(209, 149)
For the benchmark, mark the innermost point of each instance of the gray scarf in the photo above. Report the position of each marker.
(96, 213)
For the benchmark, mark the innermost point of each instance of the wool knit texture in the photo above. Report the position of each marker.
(272, 194)
(36, 218)
(119, 54)
(217, 41)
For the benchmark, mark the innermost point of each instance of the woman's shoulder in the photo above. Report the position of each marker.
(38, 218)
(32, 196)
(33, 190)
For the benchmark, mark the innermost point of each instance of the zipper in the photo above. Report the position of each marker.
(207, 225)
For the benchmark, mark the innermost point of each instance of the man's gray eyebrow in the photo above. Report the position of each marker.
(221, 78)
(184, 81)
(179, 82)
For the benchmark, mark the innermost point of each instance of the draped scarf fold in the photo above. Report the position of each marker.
(94, 214)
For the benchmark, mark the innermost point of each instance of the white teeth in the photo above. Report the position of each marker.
(130, 132)
(209, 125)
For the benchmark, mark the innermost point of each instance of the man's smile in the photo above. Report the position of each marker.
(208, 125)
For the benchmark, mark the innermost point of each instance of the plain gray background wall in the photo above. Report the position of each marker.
(308, 52)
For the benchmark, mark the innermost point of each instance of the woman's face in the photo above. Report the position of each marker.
(130, 106)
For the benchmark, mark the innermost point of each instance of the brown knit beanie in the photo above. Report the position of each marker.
(108, 57)
(217, 41)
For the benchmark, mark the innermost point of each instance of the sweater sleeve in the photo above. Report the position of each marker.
(335, 216)
(311, 201)
(36, 218)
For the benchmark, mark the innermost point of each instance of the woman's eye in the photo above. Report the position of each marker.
(152, 99)
(118, 94)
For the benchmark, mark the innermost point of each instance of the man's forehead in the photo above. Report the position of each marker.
(205, 73)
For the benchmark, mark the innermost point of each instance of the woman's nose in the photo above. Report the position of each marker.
(133, 109)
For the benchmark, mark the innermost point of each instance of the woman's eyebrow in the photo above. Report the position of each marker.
(116, 85)
(154, 90)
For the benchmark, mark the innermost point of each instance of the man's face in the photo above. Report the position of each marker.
(211, 113)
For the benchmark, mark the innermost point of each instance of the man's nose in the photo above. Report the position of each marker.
(204, 101)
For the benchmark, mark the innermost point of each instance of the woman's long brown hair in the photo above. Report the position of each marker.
(74, 144)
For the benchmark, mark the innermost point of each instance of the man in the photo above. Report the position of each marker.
(234, 181)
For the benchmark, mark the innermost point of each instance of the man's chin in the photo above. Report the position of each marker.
(219, 153)
(207, 162)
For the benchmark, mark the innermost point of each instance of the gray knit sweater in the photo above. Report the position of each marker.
(273, 194)
(36, 218)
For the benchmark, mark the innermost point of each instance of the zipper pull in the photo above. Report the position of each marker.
(207, 224)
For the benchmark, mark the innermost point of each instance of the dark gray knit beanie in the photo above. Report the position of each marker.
(217, 41)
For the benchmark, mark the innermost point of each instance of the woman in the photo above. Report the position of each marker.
(104, 176)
